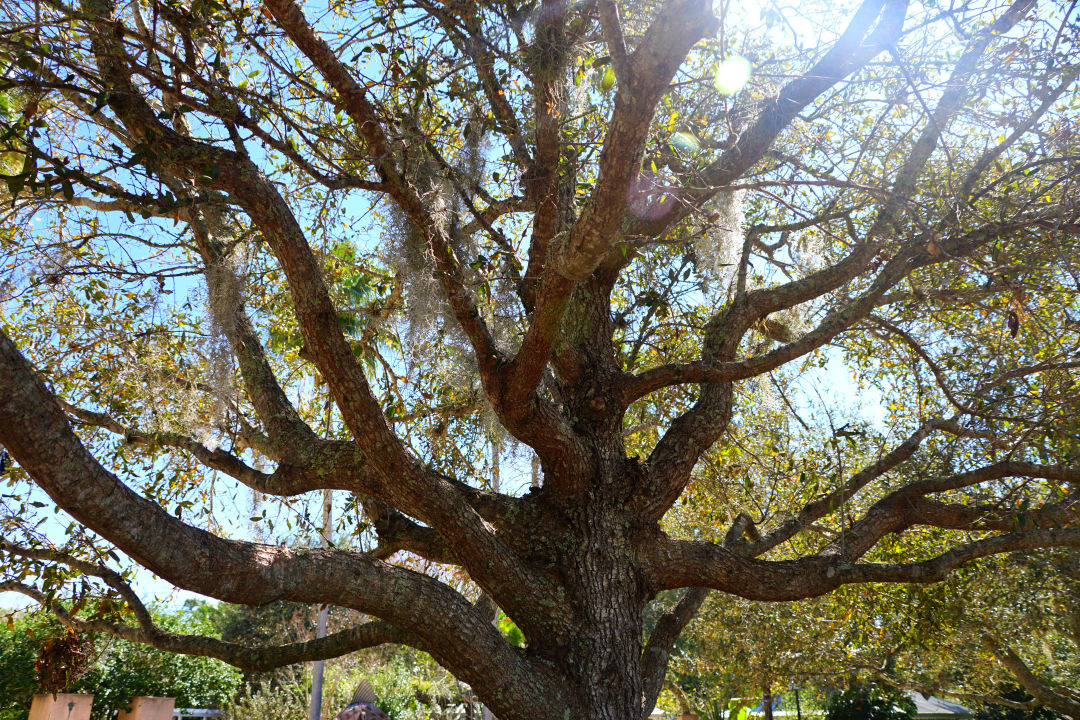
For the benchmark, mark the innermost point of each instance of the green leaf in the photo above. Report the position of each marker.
(608, 81)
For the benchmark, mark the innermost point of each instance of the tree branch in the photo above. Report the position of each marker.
(1047, 695)
(684, 563)
(817, 509)
(874, 27)
(679, 24)
(251, 658)
(34, 430)
(654, 658)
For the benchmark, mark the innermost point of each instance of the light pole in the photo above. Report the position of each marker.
(496, 448)
(315, 711)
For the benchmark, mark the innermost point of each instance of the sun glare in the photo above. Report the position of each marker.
(730, 75)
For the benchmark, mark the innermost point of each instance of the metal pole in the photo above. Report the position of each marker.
(496, 447)
(315, 712)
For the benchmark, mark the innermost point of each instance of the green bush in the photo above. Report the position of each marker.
(1016, 694)
(869, 702)
(408, 685)
(122, 670)
(266, 700)
(19, 643)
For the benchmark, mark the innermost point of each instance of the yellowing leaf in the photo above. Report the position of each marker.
(608, 81)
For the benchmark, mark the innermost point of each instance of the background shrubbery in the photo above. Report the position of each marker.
(409, 685)
(870, 702)
(122, 670)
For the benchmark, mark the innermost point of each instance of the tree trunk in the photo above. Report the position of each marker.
(605, 652)
(602, 652)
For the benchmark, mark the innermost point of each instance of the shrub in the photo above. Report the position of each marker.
(1017, 694)
(121, 671)
(869, 702)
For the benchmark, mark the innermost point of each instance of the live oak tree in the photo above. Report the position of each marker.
(402, 248)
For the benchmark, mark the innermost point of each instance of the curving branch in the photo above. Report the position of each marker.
(1059, 698)
(372, 126)
(902, 508)
(657, 651)
(215, 459)
(246, 657)
(397, 532)
(829, 503)
(34, 430)
(873, 28)
(739, 317)
(685, 563)
(252, 658)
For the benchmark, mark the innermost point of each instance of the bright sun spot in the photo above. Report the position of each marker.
(729, 76)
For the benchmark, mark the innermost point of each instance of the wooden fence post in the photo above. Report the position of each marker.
(149, 708)
(61, 706)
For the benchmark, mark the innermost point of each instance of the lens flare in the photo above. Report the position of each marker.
(685, 143)
(729, 76)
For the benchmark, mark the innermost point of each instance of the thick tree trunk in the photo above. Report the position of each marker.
(607, 594)
(604, 656)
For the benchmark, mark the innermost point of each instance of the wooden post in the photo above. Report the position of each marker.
(62, 706)
(148, 708)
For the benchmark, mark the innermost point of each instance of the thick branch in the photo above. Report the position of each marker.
(684, 563)
(355, 99)
(252, 658)
(653, 63)
(34, 430)
(823, 506)
(654, 658)
(314, 310)
(1049, 696)
(397, 532)
(900, 509)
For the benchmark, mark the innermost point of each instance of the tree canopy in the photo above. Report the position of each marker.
(429, 254)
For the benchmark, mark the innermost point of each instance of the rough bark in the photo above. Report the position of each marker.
(575, 561)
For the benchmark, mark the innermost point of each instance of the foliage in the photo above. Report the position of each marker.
(869, 702)
(120, 671)
(20, 641)
(925, 637)
(1015, 694)
(408, 686)
(973, 633)
(569, 303)
(266, 701)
